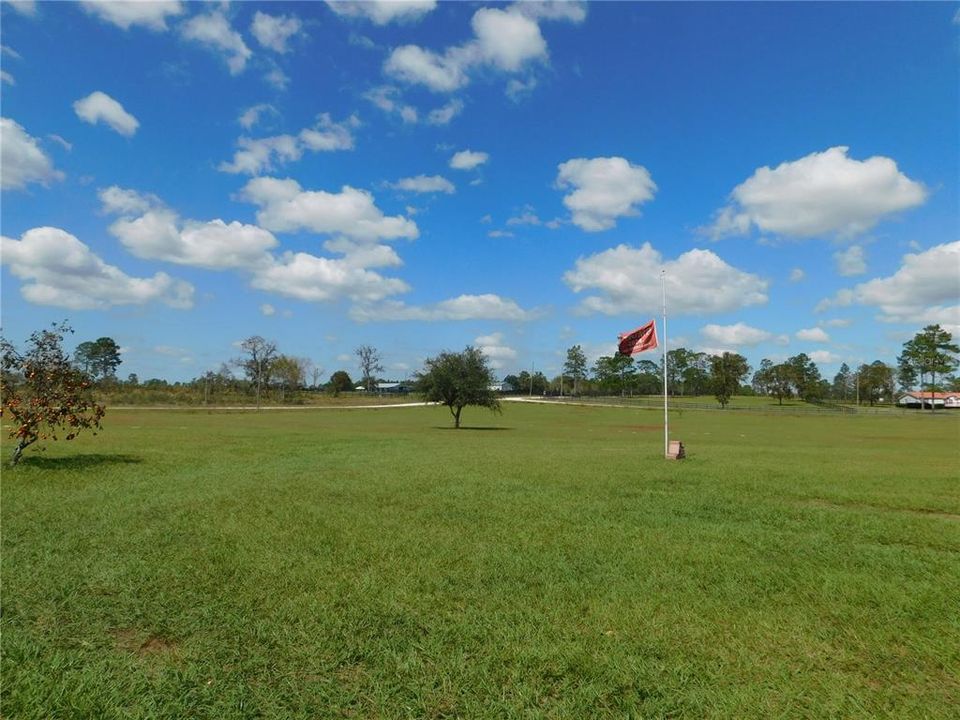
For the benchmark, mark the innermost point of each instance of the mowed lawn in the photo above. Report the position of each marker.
(541, 563)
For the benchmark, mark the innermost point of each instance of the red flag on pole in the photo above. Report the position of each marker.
(636, 341)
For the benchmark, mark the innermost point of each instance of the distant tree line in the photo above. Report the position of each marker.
(926, 364)
(262, 373)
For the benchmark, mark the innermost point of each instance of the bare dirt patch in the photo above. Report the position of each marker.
(350, 674)
(132, 641)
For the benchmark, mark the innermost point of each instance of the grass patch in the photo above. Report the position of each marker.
(374, 564)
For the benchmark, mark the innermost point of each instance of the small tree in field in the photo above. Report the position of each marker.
(370, 364)
(98, 359)
(458, 380)
(340, 382)
(289, 373)
(727, 371)
(43, 393)
(576, 366)
(258, 364)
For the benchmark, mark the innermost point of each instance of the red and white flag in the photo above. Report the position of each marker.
(636, 341)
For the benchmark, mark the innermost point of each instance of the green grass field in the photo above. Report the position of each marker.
(542, 563)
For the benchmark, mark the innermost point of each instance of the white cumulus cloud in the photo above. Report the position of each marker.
(736, 335)
(627, 280)
(925, 289)
(127, 13)
(328, 135)
(440, 73)
(506, 39)
(62, 142)
(604, 189)
(824, 356)
(568, 10)
(277, 78)
(388, 99)
(286, 207)
(214, 31)
(424, 184)
(260, 155)
(851, 261)
(464, 307)
(212, 244)
(444, 114)
(24, 7)
(382, 12)
(319, 279)
(123, 201)
(151, 231)
(839, 322)
(468, 159)
(21, 159)
(496, 350)
(824, 193)
(527, 217)
(98, 106)
(61, 271)
(273, 31)
(251, 116)
(518, 89)
(796, 275)
(813, 334)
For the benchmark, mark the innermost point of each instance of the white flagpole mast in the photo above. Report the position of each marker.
(666, 416)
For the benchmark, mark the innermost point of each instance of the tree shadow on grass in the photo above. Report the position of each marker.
(469, 428)
(78, 462)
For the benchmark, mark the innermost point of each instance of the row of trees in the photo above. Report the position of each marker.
(261, 367)
(262, 364)
(689, 373)
(461, 379)
(925, 364)
(797, 376)
(927, 360)
(871, 382)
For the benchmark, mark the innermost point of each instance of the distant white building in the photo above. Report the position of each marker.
(394, 387)
(389, 388)
(917, 399)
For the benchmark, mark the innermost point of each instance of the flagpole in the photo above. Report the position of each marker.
(666, 416)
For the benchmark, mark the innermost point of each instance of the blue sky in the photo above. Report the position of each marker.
(422, 176)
